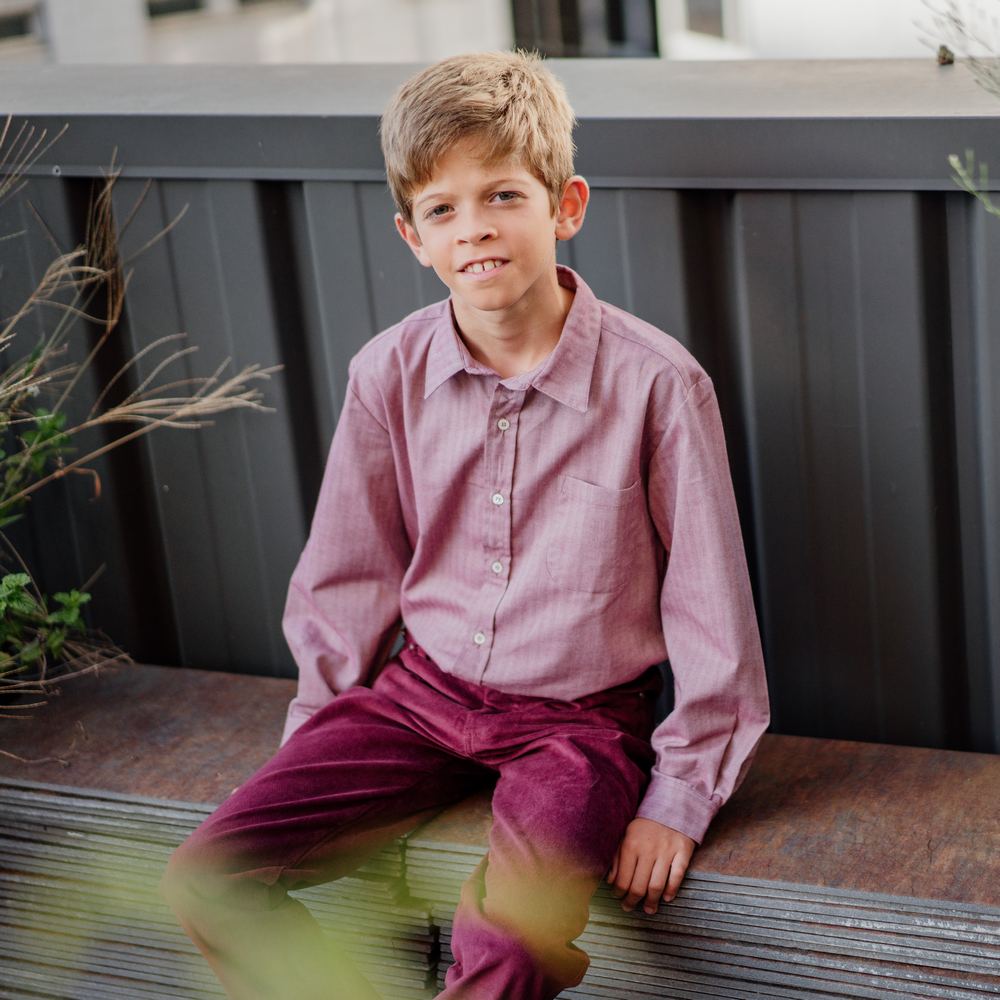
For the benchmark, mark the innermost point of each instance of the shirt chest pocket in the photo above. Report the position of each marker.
(596, 532)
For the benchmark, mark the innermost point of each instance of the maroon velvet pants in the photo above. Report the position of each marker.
(373, 764)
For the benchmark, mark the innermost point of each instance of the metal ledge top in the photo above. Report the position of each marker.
(598, 88)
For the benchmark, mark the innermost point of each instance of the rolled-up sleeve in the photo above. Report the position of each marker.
(704, 747)
(343, 604)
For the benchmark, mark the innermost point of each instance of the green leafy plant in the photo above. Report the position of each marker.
(44, 641)
(27, 627)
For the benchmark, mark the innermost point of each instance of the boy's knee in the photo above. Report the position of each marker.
(196, 880)
(178, 879)
(189, 878)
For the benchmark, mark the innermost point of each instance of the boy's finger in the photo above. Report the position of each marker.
(640, 881)
(677, 870)
(614, 868)
(657, 883)
(623, 877)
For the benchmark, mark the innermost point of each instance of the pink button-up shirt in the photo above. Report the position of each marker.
(553, 533)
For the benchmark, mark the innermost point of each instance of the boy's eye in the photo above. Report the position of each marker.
(434, 214)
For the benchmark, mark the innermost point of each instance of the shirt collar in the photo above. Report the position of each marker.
(565, 374)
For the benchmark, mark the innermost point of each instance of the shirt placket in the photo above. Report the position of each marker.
(499, 452)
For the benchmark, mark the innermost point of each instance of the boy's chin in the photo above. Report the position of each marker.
(481, 296)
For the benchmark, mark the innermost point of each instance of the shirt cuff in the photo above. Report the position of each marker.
(675, 804)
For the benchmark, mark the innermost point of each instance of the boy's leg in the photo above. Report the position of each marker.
(360, 772)
(564, 798)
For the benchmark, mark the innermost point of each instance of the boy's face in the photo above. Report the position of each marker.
(470, 210)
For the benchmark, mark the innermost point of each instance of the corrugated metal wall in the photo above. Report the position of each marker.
(847, 319)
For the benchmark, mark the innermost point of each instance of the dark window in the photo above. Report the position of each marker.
(705, 16)
(586, 27)
(157, 8)
(15, 25)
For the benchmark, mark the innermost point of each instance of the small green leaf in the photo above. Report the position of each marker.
(31, 652)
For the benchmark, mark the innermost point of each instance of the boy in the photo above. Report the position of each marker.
(536, 483)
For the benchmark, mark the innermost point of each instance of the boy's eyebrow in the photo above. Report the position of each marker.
(444, 194)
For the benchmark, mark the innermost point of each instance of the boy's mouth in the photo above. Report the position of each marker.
(483, 269)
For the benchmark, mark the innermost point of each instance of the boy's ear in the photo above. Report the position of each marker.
(412, 239)
(572, 207)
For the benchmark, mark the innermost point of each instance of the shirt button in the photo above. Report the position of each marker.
(479, 638)
(498, 498)
(497, 567)
(503, 423)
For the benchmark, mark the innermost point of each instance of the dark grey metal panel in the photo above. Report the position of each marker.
(766, 319)
(981, 401)
(334, 260)
(655, 279)
(603, 262)
(781, 154)
(976, 513)
(251, 452)
(850, 493)
(183, 460)
(896, 367)
(397, 282)
(836, 491)
(222, 267)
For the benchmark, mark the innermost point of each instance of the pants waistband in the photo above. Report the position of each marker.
(646, 685)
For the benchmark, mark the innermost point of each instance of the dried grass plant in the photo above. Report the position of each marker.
(42, 648)
(973, 34)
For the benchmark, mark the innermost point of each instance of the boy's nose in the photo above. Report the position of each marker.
(476, 231)
(478, 237)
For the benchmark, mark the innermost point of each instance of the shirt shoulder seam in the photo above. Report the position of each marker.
(618, 331)
(354, 393)
(432, 317)
(680, 406)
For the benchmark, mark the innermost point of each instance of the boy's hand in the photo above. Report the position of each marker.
(650, 861)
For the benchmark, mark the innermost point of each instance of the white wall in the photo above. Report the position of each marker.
(97, 31)
(846, 29)
(804, 29)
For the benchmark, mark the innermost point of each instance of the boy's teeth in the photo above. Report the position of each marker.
(487, 265)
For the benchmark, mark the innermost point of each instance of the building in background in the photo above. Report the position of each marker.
(249, 31)
(307, 31)
(587, 28)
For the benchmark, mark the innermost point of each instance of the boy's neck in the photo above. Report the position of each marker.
(519, 339)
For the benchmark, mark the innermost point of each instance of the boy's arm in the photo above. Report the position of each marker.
(705, 745)
(342, 613)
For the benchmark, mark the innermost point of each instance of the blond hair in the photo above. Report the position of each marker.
(508, 102)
